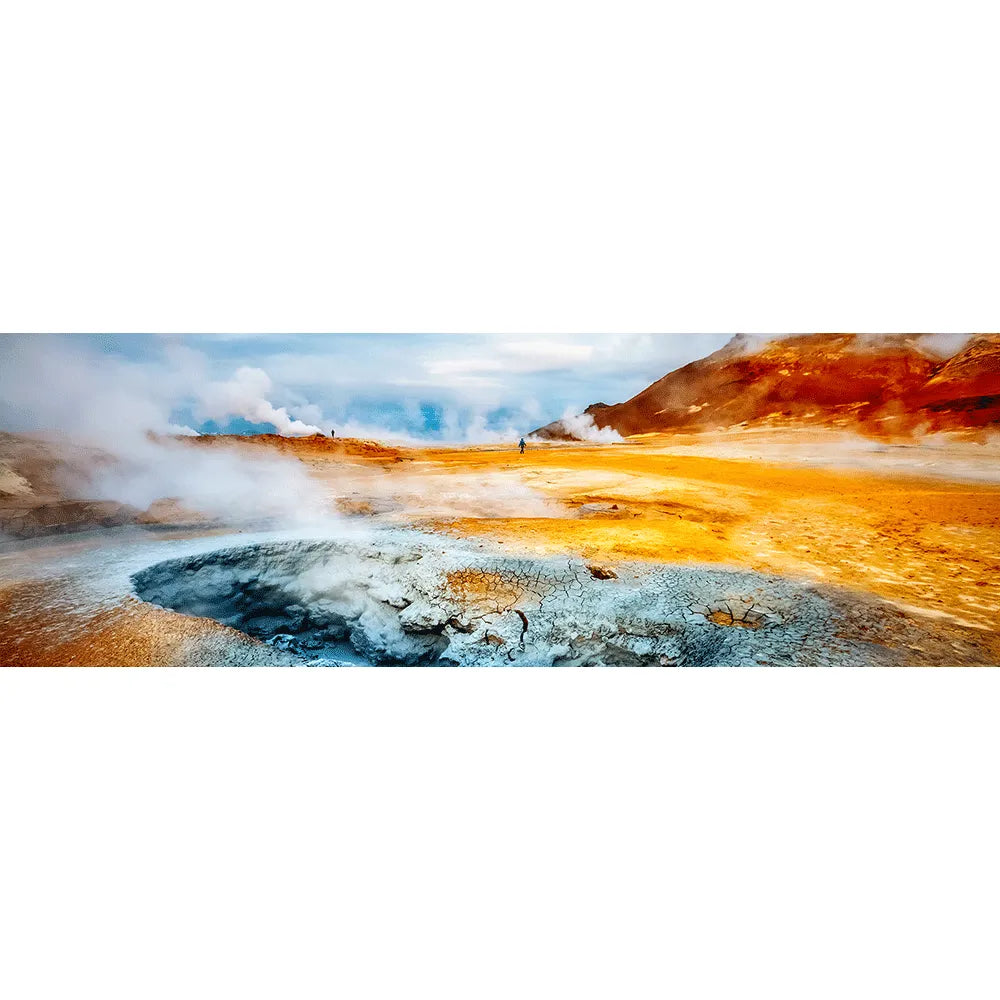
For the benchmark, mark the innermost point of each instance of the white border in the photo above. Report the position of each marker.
(498, 833)
(543, 166)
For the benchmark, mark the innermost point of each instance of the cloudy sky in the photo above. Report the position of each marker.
(451, 387)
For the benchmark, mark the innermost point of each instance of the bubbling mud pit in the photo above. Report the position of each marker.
(402, 599)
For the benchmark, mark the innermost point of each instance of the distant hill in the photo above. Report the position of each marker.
(313, 446)
(886, 384)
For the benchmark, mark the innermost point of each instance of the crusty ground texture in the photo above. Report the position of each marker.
(929, 544)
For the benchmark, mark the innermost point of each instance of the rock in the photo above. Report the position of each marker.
(284, 642)
(264, 624)
(171, 512)
(296, 617)
(602, 573)
(601, 510)
(422, 617)
(12, 484)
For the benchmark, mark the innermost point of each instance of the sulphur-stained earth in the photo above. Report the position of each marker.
(924, 542)
(684, 551)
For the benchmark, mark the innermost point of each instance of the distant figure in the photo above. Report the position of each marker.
(521, 446)
(333, 433)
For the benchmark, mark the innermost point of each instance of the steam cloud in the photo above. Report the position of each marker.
(50, 384)
(582, 427)
(245, 395)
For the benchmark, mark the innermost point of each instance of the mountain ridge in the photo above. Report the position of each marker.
(881, 384)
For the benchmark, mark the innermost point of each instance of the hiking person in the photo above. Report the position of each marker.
(521, 445)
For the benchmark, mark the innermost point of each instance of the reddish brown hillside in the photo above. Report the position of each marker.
(885, 384)
(974, 371)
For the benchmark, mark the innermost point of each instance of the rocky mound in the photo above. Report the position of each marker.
(12, 484)
(42, 465)
(62, 517)
(315, 446)
(891, 384)
(46, 481)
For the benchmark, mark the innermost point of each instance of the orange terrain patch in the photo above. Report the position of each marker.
(930, 544)
(37, 631)
(484, 591)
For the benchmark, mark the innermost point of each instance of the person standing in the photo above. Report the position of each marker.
(521, 445)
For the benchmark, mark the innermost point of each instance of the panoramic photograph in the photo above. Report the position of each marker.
(344, 346)
(671, 500)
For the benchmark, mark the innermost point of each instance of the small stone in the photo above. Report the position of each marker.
(284, 642)
(602, 573)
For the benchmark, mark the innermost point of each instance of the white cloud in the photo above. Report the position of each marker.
(450, 367)
(497, 354)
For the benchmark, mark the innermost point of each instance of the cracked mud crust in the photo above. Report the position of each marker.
(400, 597)
(403, 599)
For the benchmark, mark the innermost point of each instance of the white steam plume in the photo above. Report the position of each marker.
(244, 395)
(76, 397)
(582, 427)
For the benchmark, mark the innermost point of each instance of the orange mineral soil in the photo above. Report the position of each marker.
(918, 526)
(927, 543)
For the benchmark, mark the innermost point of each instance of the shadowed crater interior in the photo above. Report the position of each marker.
(315, 601)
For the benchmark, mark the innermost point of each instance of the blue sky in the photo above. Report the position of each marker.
(437, 386)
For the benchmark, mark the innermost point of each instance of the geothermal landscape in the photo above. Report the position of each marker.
(823, 500)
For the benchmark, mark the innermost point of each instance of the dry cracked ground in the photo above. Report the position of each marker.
(659, 554)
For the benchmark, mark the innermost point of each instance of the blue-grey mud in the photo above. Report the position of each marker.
(389, 596)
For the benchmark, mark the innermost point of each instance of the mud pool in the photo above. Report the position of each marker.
(400, 597)
(403, 599)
